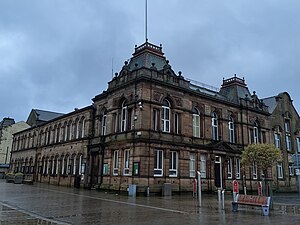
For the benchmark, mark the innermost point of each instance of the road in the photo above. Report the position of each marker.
(48, 204)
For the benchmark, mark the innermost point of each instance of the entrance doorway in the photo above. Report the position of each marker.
(218, 172)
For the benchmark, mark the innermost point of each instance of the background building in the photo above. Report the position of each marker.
(7, 128)
(285, 124)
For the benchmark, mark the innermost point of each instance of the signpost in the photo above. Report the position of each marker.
(235, 189)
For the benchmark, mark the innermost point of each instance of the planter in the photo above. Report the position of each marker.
(10, 177)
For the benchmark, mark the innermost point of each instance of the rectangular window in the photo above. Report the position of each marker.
(165, 117)
(155, 119)
(124, 118)
(237, 169)
(105, 169)
(173, 164)
(176, 123)
(229, 172)
(116, 163)
(231, 132)
(203, 166)
(196, 125)
(287, 126)
(288, 142)
(254, 170)
(158, 163)
(263, 137)
(103, 128)
(279, 170)
(255, 130)
(277, 140)
(115, 122)
(298, 144)
(291, 170)
(126, 162)
(251, 136)
(192, 165)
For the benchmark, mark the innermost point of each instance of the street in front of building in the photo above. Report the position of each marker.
(48, 204)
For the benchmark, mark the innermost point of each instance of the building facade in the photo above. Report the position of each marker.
(7, 128)
(150, 127)
(285, 124)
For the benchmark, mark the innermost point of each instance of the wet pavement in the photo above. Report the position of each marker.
(48, 204)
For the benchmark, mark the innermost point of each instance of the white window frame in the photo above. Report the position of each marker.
(192, 164)
(173, 164)
(203, 165)
(158, 163)
(77, 129)
(66, 133)
(56, 166)
(229, 168)
(68, 169)
(81, 168)
(52, 166)
(63, 165)
(126, 162)
(231, 130)
(214, 126)
(279, 170)
(254, 170)
(277, 140)
(291, 170)
(288, 142)
(116, 162)
(165, 117)
(44, 166)
(83, 129)
(124, 117)
(103, 124)
(196, 123)
(298, 144)
(255, 134)
(74, 166)
(237, 168)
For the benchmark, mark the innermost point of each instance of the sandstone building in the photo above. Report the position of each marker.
(150, 127)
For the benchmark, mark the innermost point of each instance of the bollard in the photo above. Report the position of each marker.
(223, 199)
(219, 194)
(199, 188)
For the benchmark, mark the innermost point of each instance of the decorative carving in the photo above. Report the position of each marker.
(156, 96)
(178, 101)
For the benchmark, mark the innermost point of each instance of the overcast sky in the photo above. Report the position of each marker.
(57, 55)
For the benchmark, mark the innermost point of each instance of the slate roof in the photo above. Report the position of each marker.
(271, 103)
(7, 122)
(147, 55)
(38, 116)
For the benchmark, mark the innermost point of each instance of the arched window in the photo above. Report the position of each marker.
(165, 116)
(214, 126)
(124, 116)
(82, 127)
(77, 128)
(63, 165)
(231, 129)
(74, 165)
(71, 129)
(66, 132)
(196, 123)
(255, 133)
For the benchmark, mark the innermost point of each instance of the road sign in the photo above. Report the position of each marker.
(235, 187)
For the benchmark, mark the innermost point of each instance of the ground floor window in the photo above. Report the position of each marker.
(203, 165)
(126, 162)
(279, 170)
(291, 170)
(237, 169)
(173, 164)
(158, 162)
(192, 165)
(116, 163)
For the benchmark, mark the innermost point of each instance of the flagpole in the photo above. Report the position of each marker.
(146, 20)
